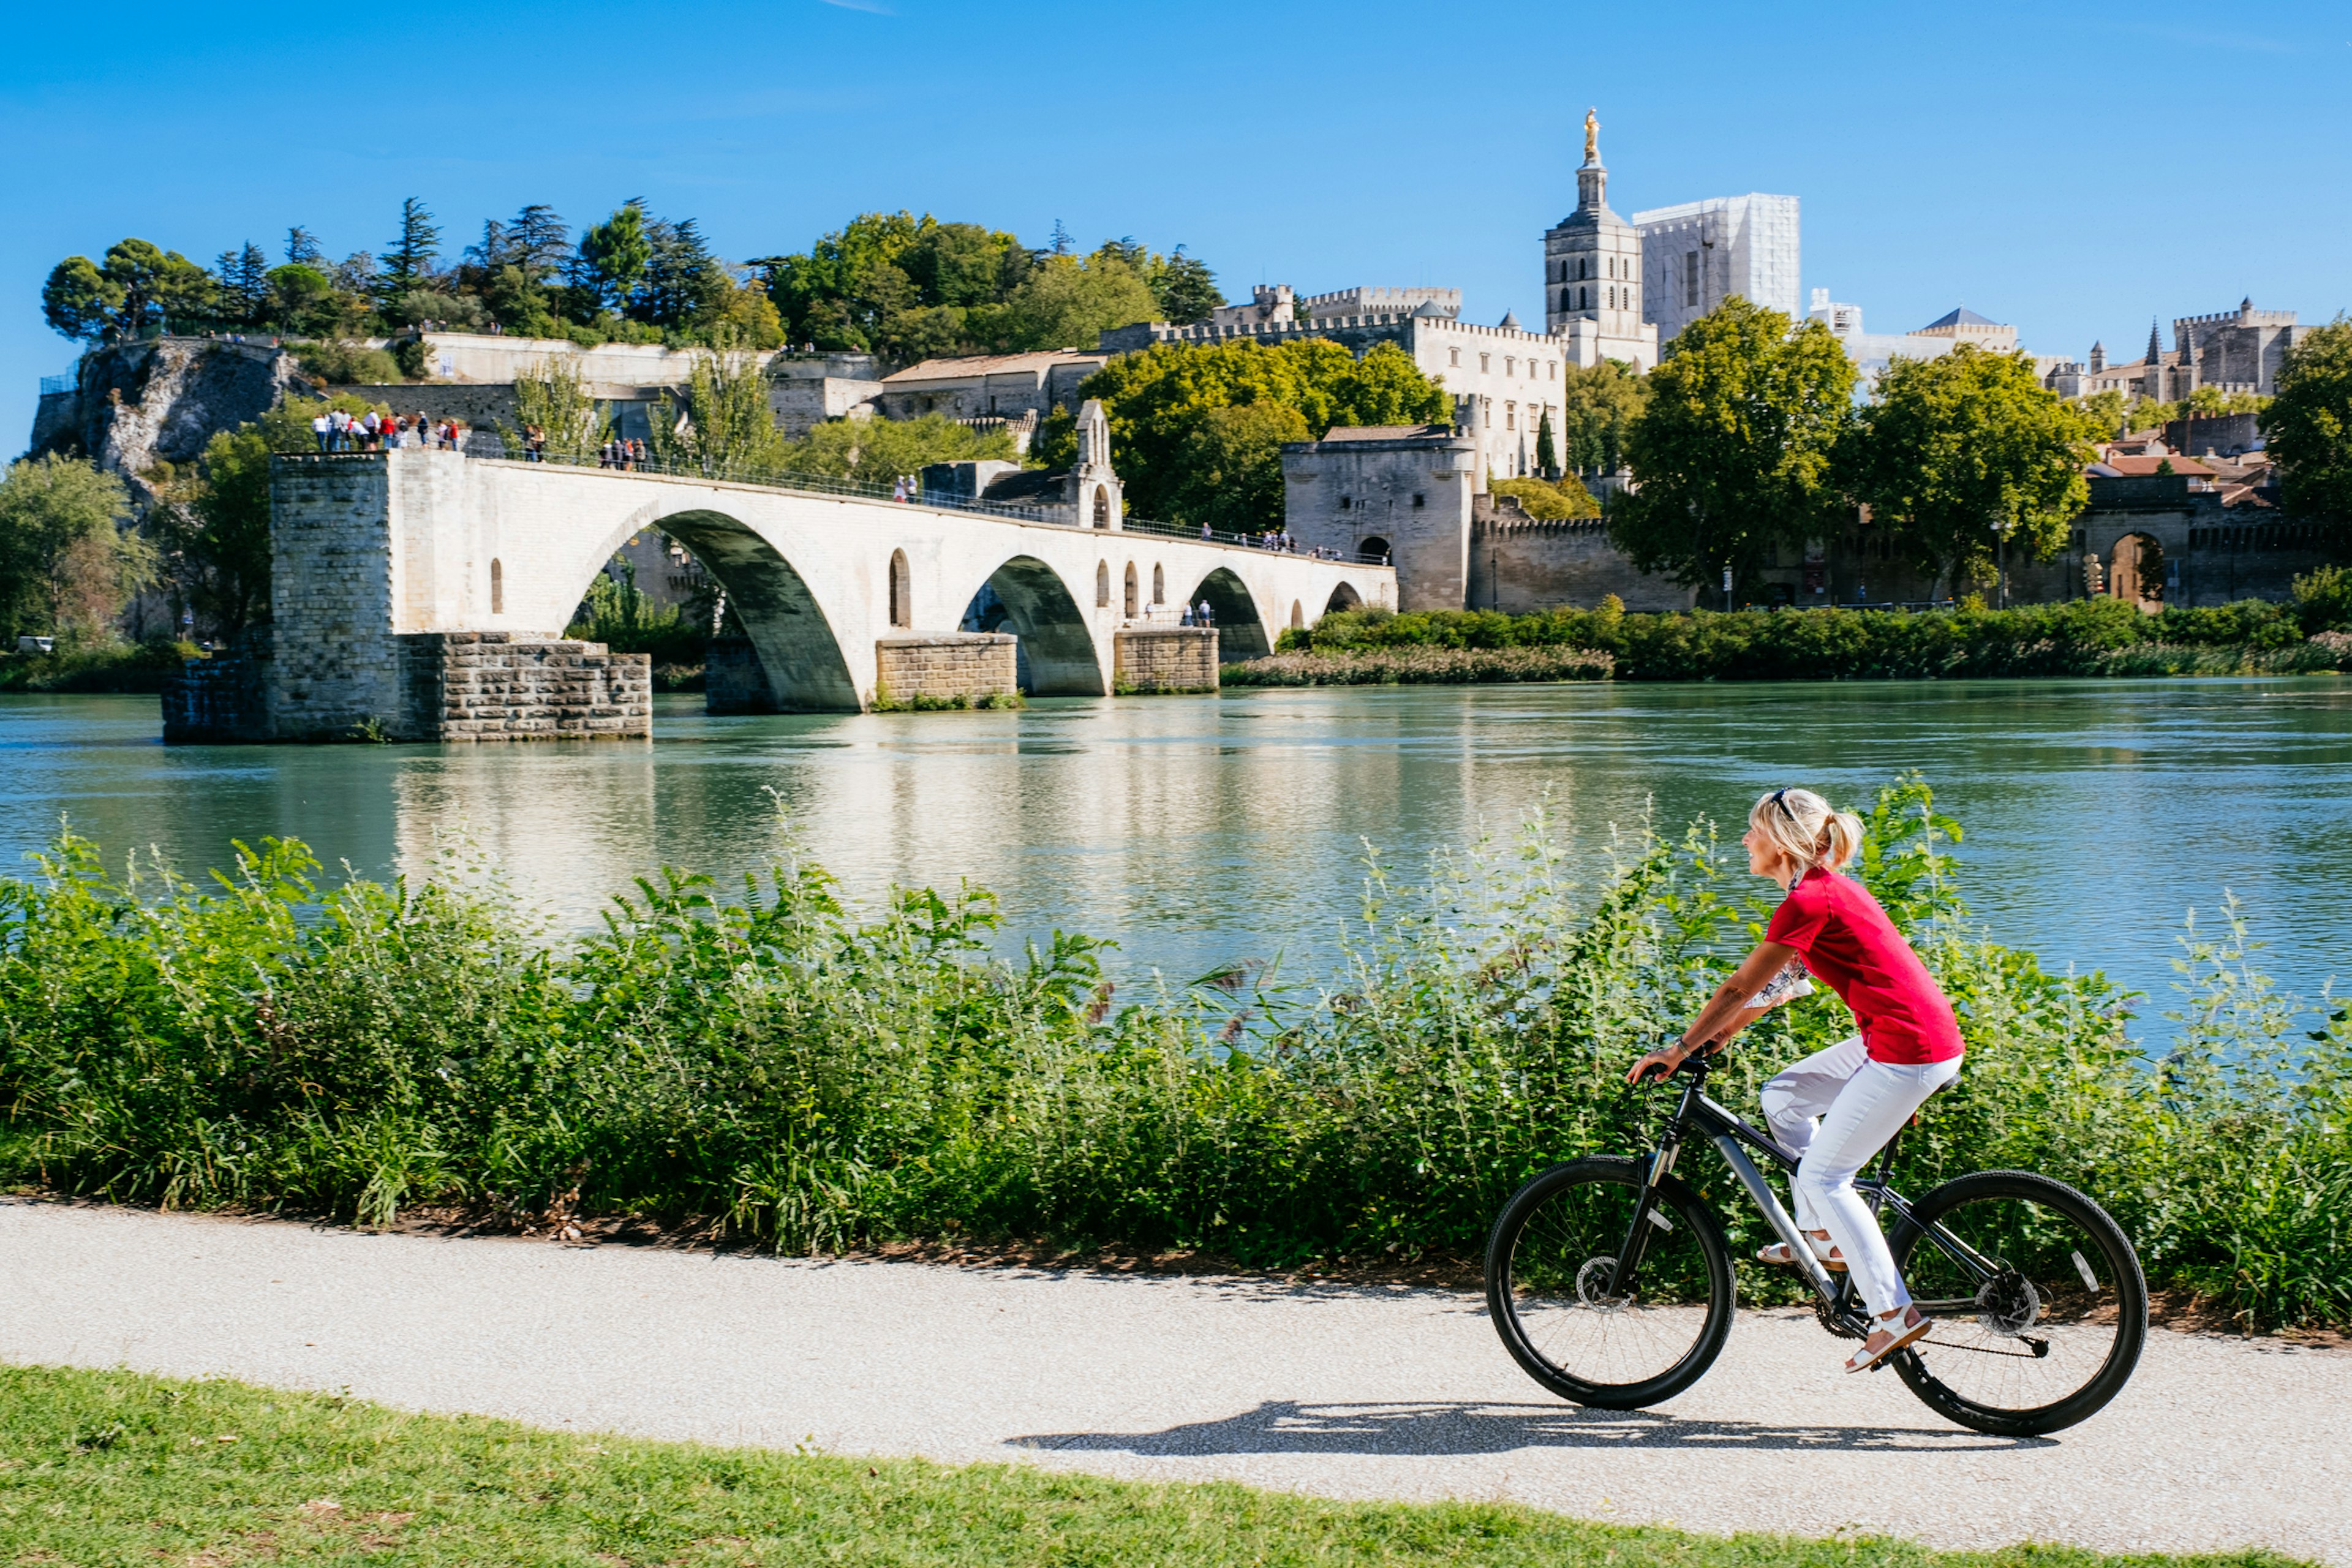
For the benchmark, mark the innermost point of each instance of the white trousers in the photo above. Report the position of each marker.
(1859, 1104)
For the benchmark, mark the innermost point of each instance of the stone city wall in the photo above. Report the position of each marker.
(1165, 659)
(948, 665)
(1519, 564)
(496, 686)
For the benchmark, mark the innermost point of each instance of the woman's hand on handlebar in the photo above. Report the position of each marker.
(1660, 1063)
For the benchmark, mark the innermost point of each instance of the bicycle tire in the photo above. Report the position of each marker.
(1602, 1177)
(2120, 1306)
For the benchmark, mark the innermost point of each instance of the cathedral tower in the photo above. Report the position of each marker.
(1592, 271)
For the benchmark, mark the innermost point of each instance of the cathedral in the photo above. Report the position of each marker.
(1592, 273)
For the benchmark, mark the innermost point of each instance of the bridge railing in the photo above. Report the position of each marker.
(1277, 544)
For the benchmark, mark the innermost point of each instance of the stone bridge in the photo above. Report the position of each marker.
(383, 563)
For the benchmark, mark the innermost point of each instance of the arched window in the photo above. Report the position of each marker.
(1102, 585)
(1132, 605)
(1297, 614)
(902, 598)
(498, 587)
(1158, 585)
(1102, 506)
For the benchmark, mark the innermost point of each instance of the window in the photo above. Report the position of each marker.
(1690, 278)
(902, 609)
(1510, 364)
(1551, 370)
(1158, 585)
(1486, 363)
(1510, 415)
(1418, 499)
(1102, 506)
(1132, 595)
(1568, 299)
(1343, 503)
(498, 588)
(1102, 585)
(1456, 354)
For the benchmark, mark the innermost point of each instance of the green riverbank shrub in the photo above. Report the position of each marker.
(2082, 637)
(1420, 666)
(109, 666)
(776, 1065)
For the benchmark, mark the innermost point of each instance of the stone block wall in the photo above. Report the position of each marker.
(1165, 659)
(1519, 564)
(497, 686)
(948, 665)
(216, 699)
(332, 592)
(734, 680)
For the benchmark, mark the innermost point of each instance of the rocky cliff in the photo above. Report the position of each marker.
(134, 403)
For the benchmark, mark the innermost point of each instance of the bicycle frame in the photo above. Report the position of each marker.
(1695, 1112)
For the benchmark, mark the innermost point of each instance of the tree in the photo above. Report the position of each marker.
(302, 298)
(614, 256)
(1185, 288)
(1547, 454)
(1599, 402)
(1731, 456)
(2103, 409)
(877, 450)
(223, 531)
(139, 285)
(684, 284)
(2309, 425)
(303, 250)
(1967, 460)
(1160, 404)
(67, 565)
(244, 287)
(1069, 301)
(553, 397)
(408, 260)
(1549, 501)
(728, 430)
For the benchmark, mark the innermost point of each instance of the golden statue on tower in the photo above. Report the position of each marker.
(1591, 137)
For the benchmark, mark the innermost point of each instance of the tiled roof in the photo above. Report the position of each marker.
(991, 364)
(2141, 467)
(1386, 432)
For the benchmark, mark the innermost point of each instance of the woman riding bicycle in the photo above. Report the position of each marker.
(1861, 1090)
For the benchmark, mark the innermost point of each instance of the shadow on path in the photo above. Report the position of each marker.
(1294, 1426)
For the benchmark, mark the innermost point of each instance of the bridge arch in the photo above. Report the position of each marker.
(1058, 644)
(1343, 597)
(1241, 630)
(798, 646)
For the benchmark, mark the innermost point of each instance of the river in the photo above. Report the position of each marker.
(1197, 831)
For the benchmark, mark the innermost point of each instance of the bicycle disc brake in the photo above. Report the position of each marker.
(1591, 1286)
(2009, 1303)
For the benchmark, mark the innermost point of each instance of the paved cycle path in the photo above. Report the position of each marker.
(1344, 1390)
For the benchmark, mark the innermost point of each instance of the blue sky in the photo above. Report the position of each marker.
(2071, 169)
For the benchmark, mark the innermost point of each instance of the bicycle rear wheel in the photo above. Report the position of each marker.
(2040, 1306)
(1548, 1267)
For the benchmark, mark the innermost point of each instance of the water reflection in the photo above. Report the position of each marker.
(1198, 831)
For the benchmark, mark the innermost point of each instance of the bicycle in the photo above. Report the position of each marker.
(1611, 1281)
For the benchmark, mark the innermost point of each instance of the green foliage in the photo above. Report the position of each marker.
(2208, 401)
(613, 255)
(112, 1467)
(350, 364)
(1732, 454)
(95, 667)
(1547, 449)
(2323, 600)
(2309, 425)
(2105, 410)
(68, 565)
(728, 430)
(1068, 302)
(408, 259)
(2085, 637)
(1958, 452)
(301, 300)
(287, 427)
(875, 451)
(783, 1069)
(551, 398)
(1599, 404)
(1548, 501)
(617, 613)
(1175, 406)
(223, 533)
(139, 286)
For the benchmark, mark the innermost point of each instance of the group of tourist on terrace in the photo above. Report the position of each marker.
(340, 430)
(621, 453)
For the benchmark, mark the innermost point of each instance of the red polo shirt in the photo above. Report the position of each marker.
(1846, 940)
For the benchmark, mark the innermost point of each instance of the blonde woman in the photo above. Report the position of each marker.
(1836, 1108)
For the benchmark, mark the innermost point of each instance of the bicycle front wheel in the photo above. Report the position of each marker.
(1553, 1289)
(2040, 1306)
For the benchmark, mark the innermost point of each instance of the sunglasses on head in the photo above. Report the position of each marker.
(1783, 804)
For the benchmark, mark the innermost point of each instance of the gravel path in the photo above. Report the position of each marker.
(1349, 1392)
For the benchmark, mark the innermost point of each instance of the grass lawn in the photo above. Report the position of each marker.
(104, 1468)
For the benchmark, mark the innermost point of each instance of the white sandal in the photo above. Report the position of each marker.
(1825, 1252)
(1916, 1326)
